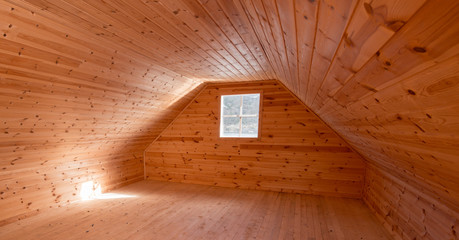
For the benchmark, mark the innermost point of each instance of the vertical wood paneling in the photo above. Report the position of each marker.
(332, 20)
(259, 21)
(306, 23)
(242, 27)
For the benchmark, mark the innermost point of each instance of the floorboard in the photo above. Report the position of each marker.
(164, 210)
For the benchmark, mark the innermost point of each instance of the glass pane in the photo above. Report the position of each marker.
(249, 127)
(230, 127)
(250, 104)
(231, 104)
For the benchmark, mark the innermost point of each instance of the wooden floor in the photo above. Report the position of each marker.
(162, 210)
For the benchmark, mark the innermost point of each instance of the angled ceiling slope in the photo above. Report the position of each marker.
(382, 74)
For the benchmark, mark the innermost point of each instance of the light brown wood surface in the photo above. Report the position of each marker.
(295, 152)
(163, 210)
(86, 85)
(400, 110)
(407, 211)
(74, 108)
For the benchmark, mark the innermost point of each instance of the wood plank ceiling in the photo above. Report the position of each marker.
(382, 73)
(180, 36)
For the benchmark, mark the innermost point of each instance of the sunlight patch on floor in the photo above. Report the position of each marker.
(90, 191)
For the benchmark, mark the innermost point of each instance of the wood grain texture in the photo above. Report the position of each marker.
(74, 108)
(408, 211)
(404, 117)
(382, 73)
(164, 210)
(198, 40)
(296, 152)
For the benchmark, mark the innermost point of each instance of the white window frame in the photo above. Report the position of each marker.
(240, 115)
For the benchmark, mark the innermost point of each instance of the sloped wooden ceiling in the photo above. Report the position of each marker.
(178, 35)
(382, 73)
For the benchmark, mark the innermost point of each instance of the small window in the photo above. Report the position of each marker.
(239, 115)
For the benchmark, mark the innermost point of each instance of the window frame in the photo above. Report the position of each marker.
(220, 114)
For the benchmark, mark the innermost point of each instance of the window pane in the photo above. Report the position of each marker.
(231, 104)
(250, 104)
(237, 120)
(249, 127)
(230, 127)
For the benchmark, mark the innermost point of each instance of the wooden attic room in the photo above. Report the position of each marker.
(229, 119)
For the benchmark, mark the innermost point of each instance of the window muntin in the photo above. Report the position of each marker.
(240, 115)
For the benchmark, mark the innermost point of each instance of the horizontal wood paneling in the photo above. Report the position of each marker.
(382, 73)
(74, 108)
(295, 153)
(408, 211)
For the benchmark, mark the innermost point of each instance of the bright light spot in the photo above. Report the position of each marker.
(97, 191)
(114, 196)
(90, 191)
(87, 191)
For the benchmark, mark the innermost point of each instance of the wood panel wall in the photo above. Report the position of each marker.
(296, 152)
(382, 73)
(406, 210)
(74, 108)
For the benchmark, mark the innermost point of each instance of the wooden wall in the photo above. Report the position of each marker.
(295, 153)
(74, 108)
(382, 73)
(407, 210)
